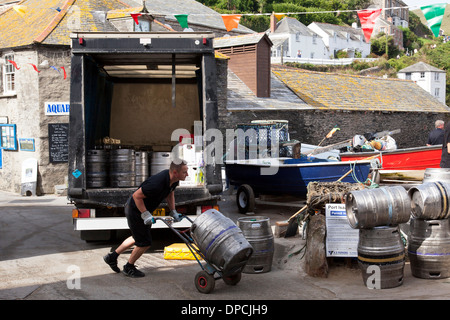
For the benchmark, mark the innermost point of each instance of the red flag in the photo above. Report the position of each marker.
(35, 68)
(65, 74)
(231, 21)
(135, 17)
(367, 18)
(14, 64)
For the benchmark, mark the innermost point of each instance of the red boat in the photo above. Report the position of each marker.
(402, 164)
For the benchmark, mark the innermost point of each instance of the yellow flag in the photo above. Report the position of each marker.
(279, 16)
(21, 10)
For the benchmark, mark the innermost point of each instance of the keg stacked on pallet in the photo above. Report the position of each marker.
(429, 239)
(118, 167)
(381, 252)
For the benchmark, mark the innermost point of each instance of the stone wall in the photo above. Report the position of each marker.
(26, 110)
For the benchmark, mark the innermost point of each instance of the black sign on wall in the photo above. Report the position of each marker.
(58, 140)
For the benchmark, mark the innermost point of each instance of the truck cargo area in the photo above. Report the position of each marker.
(134, 98)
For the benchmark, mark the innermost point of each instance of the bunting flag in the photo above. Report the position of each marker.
(35, 68)
(135, 17)
(367, 18)
(20, 9)
(279, 16)
(434, 14)
(182, 20)
(65, 74)
(14, 64)
(231, 21)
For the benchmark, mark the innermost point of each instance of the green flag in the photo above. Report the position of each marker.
(182, 20)
(434, 14)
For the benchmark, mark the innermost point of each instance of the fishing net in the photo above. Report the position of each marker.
(321, 193)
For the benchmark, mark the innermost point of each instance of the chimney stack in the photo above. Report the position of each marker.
(273, 23)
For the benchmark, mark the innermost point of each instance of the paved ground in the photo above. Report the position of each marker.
(41, 257)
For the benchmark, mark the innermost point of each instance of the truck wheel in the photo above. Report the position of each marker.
(245, 199)
(204, 282)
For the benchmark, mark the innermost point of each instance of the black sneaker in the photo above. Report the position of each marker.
(132, 272)
(111, 262)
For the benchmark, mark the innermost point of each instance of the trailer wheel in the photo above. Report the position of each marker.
(233, 279)
(245, 199)
(204, 282)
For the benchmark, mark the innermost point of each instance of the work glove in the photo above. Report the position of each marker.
(147, 217)
(175, 215)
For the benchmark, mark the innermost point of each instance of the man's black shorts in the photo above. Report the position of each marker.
(140, 232)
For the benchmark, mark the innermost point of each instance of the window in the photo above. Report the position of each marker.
(297, 37)
(314, 39)
(436, 76)
(408, 76)
(9, 75)
(436, 92)
(422, 74)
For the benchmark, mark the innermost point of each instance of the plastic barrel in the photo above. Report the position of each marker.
(430, 200)
(142, 169)
(429, 248)
(259, 234)
(160, 161)
(221, 242)
(381, 252)
(96, 168)
(385, 206)
(122, 168)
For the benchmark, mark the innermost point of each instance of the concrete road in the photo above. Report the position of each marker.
(41, 257)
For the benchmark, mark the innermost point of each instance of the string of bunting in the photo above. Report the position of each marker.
(433, 14)
(16, 66)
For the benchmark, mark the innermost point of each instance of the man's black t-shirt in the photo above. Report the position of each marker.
(436, 136)
(156, 188)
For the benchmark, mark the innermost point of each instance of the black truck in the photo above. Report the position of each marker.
(134, 98)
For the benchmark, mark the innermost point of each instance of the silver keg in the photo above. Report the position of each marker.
(221, 242)
(430, 200)
(385, 206)
(381, 257)
(122, 168)
(429, 248)
(97, 168)
(259, 234)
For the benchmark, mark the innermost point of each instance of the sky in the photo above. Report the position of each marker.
(421, 3)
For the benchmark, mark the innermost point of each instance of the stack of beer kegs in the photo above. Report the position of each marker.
(429, 239)
(381, 252)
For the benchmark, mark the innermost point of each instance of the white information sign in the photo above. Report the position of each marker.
(341, 240)
(57, 108)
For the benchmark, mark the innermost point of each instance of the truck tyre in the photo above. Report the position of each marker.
(245, 199)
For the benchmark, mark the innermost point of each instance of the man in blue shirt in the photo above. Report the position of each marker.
(138, 212)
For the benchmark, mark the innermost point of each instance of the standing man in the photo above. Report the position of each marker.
(138, 212)
(445, 157)
(436, 136)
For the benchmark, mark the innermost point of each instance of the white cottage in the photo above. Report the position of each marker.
(429, 78)
(344, 38)
(295, 40)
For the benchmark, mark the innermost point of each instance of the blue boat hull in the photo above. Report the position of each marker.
(293, 176)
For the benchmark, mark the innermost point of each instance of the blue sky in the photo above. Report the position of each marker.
(421, 3)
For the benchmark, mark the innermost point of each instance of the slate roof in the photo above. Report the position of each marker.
(240, 97)
(225, 42)
(341, 31)
(42, 22)
(292, 25)
(349, 92)
(421, 67)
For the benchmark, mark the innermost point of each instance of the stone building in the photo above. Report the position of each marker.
(35, 73)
